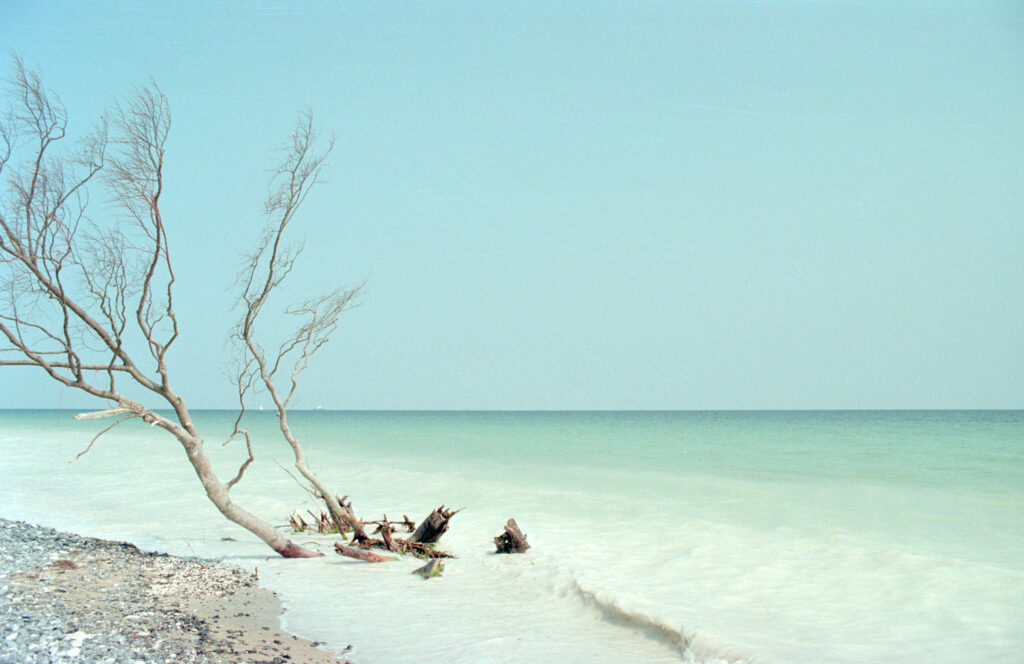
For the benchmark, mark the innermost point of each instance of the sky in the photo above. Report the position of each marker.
(589, 205)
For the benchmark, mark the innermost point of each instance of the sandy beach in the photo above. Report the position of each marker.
(67, 598)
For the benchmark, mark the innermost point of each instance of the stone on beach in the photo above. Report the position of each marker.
(70, 598)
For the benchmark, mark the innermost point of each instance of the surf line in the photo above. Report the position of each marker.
(692, 646)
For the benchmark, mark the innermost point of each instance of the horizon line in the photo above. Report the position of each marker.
(271, 411)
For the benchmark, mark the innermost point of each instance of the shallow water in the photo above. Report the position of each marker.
(657, 537)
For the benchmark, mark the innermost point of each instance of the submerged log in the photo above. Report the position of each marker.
(293, 550)
(420, 549)
(512, 540)
(361, 554)
(404, 546)
(433, 526)
(431, 569)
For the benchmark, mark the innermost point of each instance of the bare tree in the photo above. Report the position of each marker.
(92, 303)
(266, 268)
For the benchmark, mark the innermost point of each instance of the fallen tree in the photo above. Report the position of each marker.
(91, 302)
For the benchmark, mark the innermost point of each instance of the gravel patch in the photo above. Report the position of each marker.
(67, 598)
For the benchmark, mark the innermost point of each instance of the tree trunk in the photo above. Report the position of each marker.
(341, 514)
(219, 496)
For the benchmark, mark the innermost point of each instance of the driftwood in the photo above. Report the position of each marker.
(402, 546)
(406, 523)
(347, 518)
(332, 521)
(419, 549)
(361, 554)
(435, 525)
(385, 532)
(512, 540)
(431, 569)
(297, 523)
(420, 543)
(323, 523)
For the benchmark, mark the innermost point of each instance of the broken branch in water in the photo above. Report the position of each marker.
(361, 554)
(406, 523)
(435, 525)
(431, 569)
(430, 531)
(512, 540)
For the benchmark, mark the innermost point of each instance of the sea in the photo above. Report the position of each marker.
(820, 537)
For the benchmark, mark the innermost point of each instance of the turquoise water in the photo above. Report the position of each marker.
(658, 536)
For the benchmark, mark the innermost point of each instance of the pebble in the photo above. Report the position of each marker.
(43, 622)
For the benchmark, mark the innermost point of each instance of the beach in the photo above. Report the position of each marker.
(69, 598)
(718, 302)
(710, 537)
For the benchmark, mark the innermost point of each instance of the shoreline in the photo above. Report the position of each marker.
(65, 597)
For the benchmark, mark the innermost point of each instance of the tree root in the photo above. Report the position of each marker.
(420, 544)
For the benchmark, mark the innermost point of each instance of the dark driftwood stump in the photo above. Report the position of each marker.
(399, 545)
(512, 540)
(433, 526)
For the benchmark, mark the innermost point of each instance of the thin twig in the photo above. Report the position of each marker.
(245, 465)
(97, 436)
(312, 494)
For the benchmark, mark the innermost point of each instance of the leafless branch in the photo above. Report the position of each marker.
(245, 464)
(264, 271)
(97, 436)
(109, 412)
(82, 298)
(305, 488)
(70, 284)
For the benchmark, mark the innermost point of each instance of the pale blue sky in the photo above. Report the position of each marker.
(593, 205)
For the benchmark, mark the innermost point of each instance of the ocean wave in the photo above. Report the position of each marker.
(694, 646)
